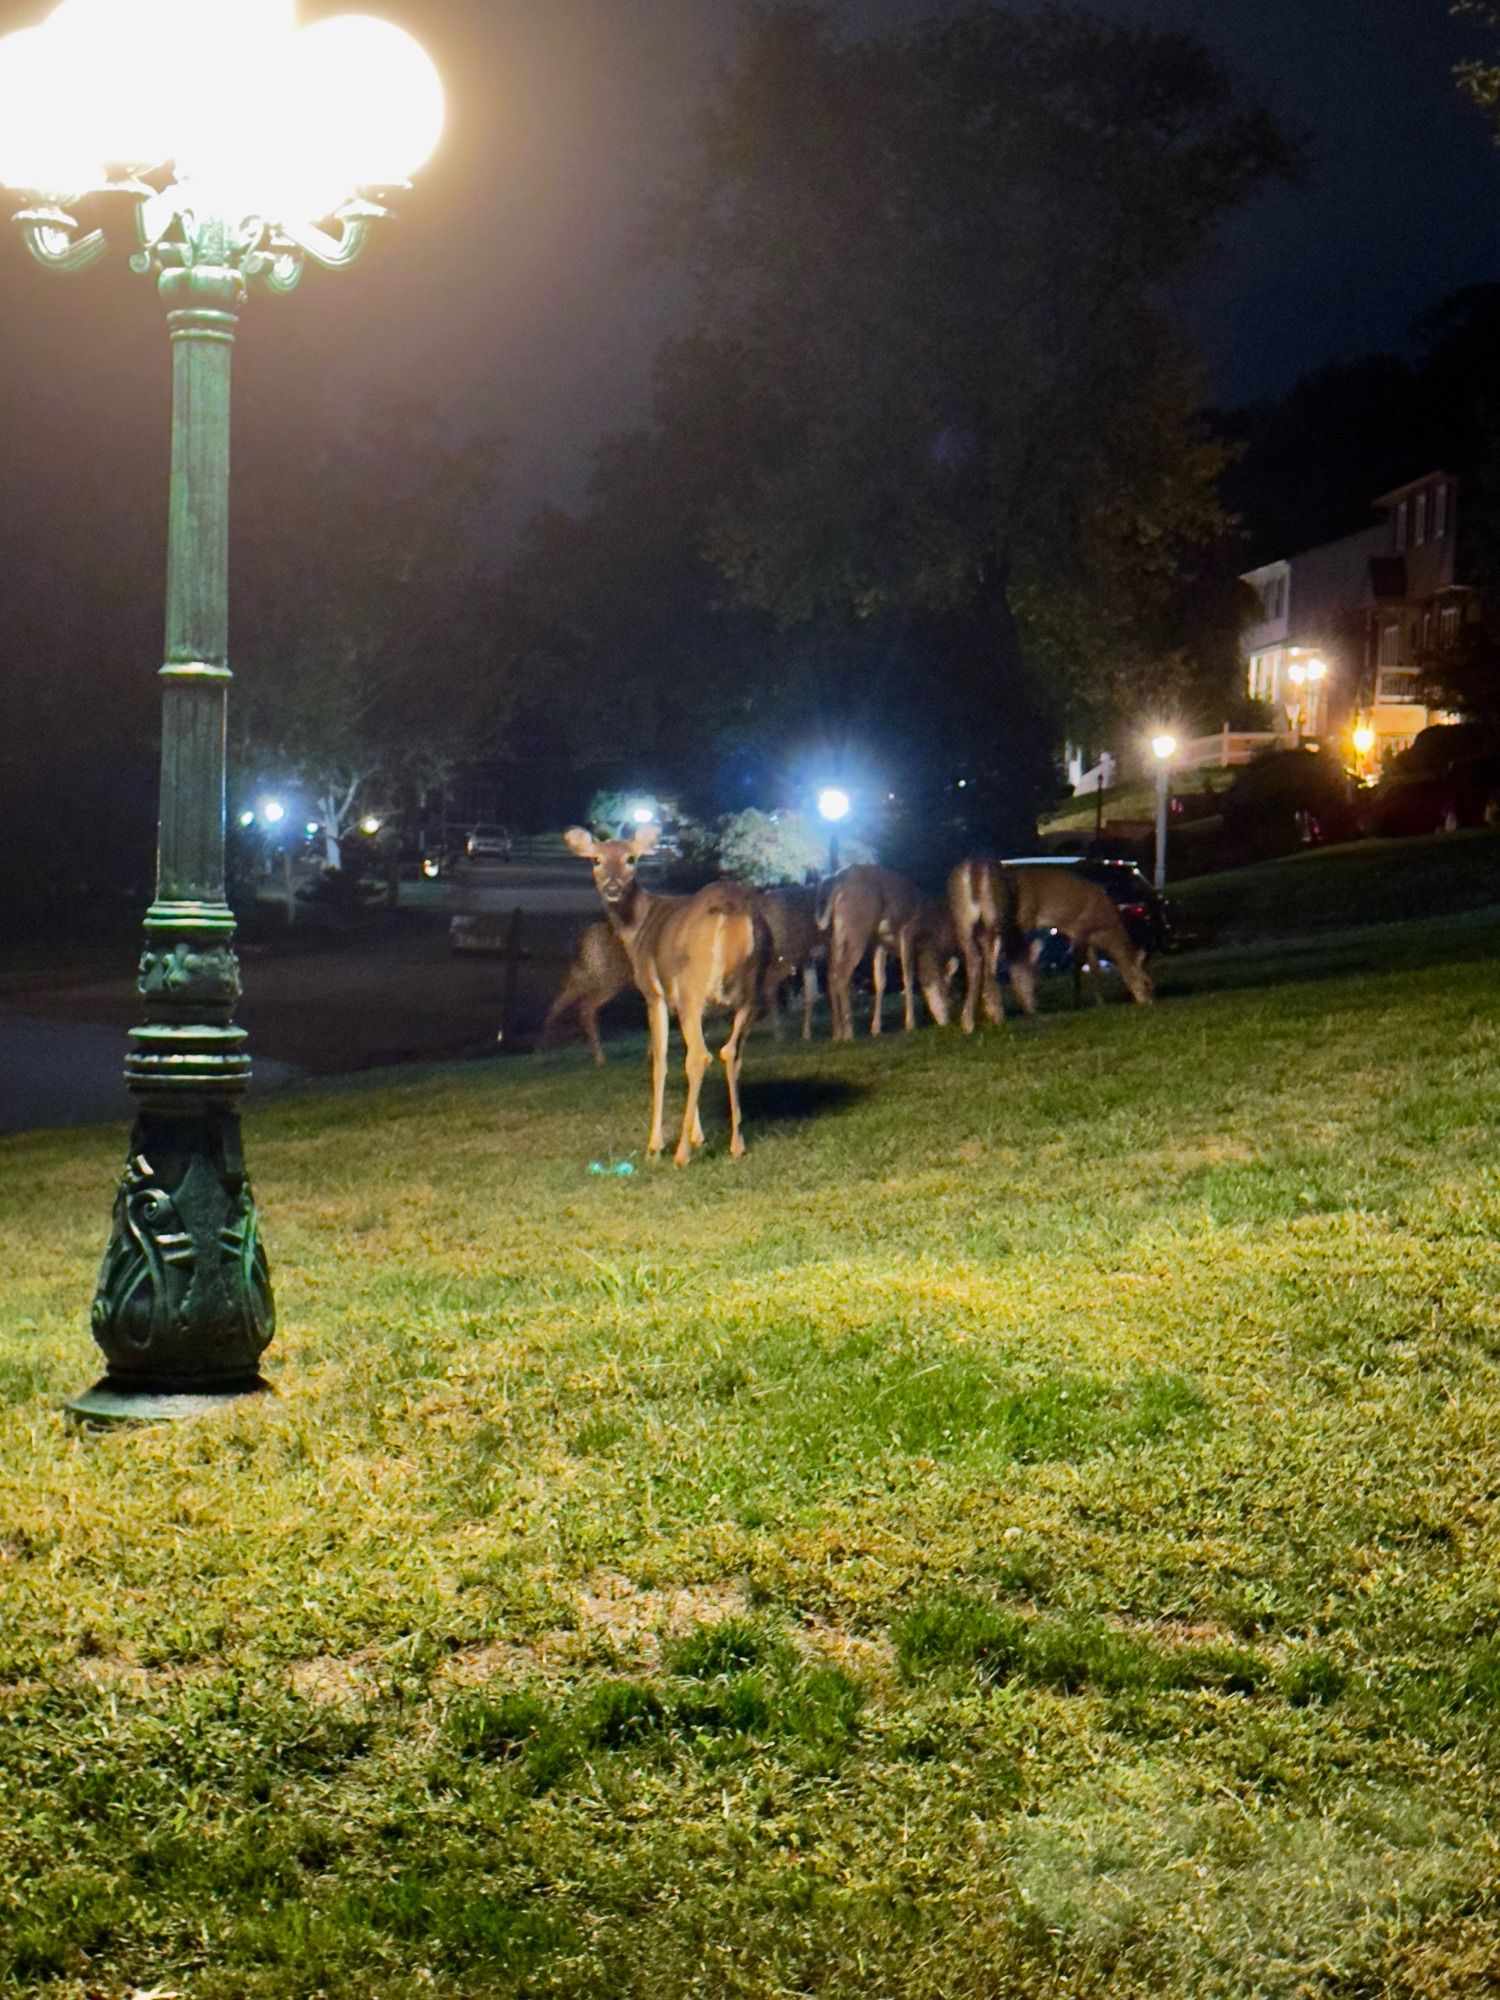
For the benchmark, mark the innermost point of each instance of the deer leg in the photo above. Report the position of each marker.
(903, 946)
(588, 1014)
(973, 979)
(1132, 964)
(690, 1020)
(809, 998)
(774, 982)
(730, 1055)
(656, 1006)
(877, 981)
(1023, 979)
(840, 972)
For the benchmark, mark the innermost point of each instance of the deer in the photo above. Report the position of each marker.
(863, 906)
(600, 969)
(996, 909)
(686, 953)
(791, 916)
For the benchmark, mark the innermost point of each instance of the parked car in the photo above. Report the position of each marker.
(488, 843)
(1448, 776)
(1287, 799)
(1145, 912)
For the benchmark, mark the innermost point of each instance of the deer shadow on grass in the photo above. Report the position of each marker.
(797, 1100)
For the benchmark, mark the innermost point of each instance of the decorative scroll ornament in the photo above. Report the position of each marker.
(182, 1264)
(175, 234)
(189, 975)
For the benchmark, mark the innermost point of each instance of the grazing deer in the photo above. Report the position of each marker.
(686, 953)
(601, 968)
(864, 906)
(792, 919)
(998, 909)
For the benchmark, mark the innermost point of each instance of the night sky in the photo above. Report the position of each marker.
(506, 293)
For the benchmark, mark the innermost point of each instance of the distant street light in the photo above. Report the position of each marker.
(273, 812)
(1164, 749)
(643, 813)
(241, 147)
(833, 806)
(1306, 676)
(370, 825)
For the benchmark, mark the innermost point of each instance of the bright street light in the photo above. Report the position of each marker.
(1163, 749)
(1363, 739)
(370, 825)
(643, 813)
(235, 146)
(834, 805)
(1305, 675)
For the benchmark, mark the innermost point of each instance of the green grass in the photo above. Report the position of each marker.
(1029, 1529)
(1329, 888)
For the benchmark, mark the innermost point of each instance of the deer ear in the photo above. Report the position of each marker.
(581, 843)
(645, 838)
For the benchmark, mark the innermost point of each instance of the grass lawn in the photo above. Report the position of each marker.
(1032, 1528)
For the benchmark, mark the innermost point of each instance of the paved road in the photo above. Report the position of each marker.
(56, 1073)
(398, 994)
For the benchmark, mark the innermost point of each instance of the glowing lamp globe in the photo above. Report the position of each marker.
(833, 804)
(38, 150)
(1364, 739)
(1163, 746)
(291, 125)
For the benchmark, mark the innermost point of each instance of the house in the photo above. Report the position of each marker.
(1349, 632)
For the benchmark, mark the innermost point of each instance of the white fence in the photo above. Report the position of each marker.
(1221, 751)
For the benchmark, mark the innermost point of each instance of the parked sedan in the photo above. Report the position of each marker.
(488, 843)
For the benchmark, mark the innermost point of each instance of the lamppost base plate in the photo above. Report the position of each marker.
(111, 1402)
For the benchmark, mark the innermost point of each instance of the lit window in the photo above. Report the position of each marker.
(1390, 643)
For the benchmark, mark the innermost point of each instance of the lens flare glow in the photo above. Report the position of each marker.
(261, 118)
(833, 804)
(1164, 746)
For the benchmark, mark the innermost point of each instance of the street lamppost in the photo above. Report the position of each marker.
(1306, 677)
(246, 148)
(833, 806)
(1163, 748)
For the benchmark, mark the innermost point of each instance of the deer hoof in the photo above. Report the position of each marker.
(736, 1147)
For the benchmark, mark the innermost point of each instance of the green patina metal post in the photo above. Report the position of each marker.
(183, 1309)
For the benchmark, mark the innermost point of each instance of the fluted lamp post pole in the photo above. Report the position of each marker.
(157, 111)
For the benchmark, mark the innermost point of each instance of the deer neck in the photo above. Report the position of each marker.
(627, 917)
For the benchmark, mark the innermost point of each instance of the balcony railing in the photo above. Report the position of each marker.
(1397, 684)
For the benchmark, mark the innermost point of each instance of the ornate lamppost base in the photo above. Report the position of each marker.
(111, 1401)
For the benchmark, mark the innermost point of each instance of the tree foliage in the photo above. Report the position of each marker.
(364, 612)
(931, 265)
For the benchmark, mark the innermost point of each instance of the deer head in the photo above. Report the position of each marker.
(614, 860)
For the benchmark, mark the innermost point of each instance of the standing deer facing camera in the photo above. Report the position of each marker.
(687, 953)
